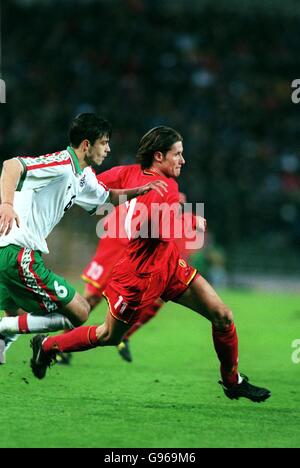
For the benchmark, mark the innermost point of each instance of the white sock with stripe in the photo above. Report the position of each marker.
(29, 323)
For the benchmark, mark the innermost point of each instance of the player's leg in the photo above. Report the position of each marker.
(69, 316)
(9, 307)
(87, 337)
(145, 315)
(93, 295)
(80, 339)
(52, 302)
(203, 299)
(123, 311)
(98, 271)
(10, 339)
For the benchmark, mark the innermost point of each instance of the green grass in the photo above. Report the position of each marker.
(168, 396)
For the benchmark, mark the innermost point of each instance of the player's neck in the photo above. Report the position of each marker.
(155, 170)
(81, 157)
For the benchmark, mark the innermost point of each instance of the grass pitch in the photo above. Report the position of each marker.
(168, 396)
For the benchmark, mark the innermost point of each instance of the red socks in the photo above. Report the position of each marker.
(80, 339)
(226, 346)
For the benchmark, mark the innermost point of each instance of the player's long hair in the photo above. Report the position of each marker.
(88, 126)
(157, 139)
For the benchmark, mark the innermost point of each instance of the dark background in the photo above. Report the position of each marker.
(219, 72)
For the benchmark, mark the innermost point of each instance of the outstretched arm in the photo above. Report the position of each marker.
(159, 186)
(10, 176)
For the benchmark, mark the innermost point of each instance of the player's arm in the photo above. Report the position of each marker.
(11, 174)
(117, 196)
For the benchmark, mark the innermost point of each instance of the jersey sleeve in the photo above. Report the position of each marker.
(93, 194)
(38, 172)
(113, 178)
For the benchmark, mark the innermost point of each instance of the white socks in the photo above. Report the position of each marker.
(30, 323)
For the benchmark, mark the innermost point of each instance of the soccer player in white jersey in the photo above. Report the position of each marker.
(36, 192)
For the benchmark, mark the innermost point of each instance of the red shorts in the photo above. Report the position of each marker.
(129, 292)
(97, 273)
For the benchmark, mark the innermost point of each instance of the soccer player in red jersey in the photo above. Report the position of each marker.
(111, 249)
(152, 268)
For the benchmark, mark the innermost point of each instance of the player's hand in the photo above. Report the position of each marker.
(160, 186)
(201, 224)
(7, 217)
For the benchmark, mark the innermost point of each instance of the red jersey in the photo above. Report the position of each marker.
(150, 218)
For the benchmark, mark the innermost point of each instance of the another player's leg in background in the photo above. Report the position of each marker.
(202, 298)
(146, 314)
(93, 295)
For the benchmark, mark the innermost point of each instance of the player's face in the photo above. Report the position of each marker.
(173, 161)
(99, 150)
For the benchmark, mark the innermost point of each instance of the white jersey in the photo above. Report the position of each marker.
(48, 187)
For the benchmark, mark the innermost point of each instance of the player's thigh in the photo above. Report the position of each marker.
(6, 301)
(31, 285)
(201, 297)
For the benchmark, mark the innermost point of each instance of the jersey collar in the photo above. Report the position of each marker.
(150, 172)
(75, 161)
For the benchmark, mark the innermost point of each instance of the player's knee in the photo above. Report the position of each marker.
(80, 312)
(106, 337)
(222, 317)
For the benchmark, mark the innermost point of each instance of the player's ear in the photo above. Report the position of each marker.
(85, 144)
(158, 156)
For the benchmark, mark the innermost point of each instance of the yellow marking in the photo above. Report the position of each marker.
(93, 283)
(111, 310)
(192, 277)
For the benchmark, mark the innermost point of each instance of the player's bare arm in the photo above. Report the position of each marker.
(160, 186)
(11, 173)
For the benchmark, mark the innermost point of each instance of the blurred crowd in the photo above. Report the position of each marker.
(222, 79)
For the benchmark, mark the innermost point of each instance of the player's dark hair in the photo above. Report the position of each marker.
(157, 139)
(88, 126)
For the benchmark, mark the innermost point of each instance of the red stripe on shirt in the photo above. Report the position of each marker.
(56, 163)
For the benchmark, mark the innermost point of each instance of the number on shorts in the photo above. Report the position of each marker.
(123, 307)
(95, 271)
(60, 290)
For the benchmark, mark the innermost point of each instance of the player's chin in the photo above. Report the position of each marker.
(99, 161)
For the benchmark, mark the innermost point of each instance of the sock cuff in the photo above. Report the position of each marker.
(92, 336)
(229, 329)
